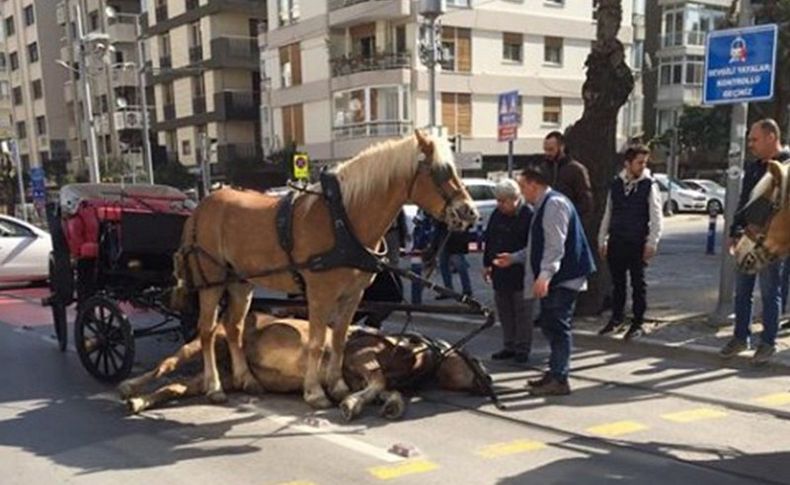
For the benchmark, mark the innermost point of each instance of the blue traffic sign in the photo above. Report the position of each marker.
(38, 184)
(740, 65)
(508, 116)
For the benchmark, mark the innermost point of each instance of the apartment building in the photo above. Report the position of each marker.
(6, 125)
(339, 75)
(112, 73)
(676, 45)
(38, 113)
(206, 77)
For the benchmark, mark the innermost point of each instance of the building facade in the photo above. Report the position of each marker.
(36, 83)
(676, 46)
(206, 78)
(341, 74)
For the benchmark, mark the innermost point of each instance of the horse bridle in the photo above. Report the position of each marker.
(751, 248)
(440, 175)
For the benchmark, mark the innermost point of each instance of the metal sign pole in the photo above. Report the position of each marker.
(510, 158)
(20, 177)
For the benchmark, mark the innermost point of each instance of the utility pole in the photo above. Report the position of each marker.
(20, 176)
(430, 50)
(739, 119)
(673, 150)
(95, 174)
(205, 167)
(149, 165)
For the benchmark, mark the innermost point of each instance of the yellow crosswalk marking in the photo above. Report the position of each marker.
(410, 467)
(617, 429)
(297, 482)
(778, 399)
(510, 448)
(694, 415)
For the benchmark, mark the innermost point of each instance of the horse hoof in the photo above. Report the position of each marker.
(393, 408)
(135, 405)
(249, 384)
(217, 397)
(350, 408)
(125, 390)
(339, 391)
(318, 401)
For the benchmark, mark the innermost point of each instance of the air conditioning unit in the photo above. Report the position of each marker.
(129, 120)
(295, 12)
(60, 13)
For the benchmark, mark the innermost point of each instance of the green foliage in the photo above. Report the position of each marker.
(175, 175)
(778, 12)
(704, 129)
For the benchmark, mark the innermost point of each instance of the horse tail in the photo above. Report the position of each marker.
(182, 290)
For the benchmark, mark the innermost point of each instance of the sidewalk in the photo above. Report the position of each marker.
(683, 285)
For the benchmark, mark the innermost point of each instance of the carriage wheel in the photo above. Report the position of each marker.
(58, 305)
(104, 340)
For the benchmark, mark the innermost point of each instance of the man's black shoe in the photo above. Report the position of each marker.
(609, 327)
(634, 332)
(544, 379)
(503, 354)
(521, 358)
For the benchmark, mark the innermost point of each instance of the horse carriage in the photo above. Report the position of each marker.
(112, 252)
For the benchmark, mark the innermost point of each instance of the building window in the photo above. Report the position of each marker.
(459, 3)
(695, 70)
(552, 50)
(2, 61)
(689, 24)
(400, 39)
(512, 45)
(21, 130)
(290, 65)
(17, 95)
(198, 86)
(41, 125)
(186, 148)
(670, 71)
(457, 113)
(383, 106)
(10, 29)
(288, 11)
(164, 51)
(5, 90)
(638, 55)
(93, 21)
(32, 52)
(293, 124)
(37, 89)
(552, 110)
(30, 17)
(13, 59)
(456, 49)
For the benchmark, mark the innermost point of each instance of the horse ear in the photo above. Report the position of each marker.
(775, 169)
(426, 145)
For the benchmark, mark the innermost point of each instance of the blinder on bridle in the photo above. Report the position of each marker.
(750, 252)
(440, 173)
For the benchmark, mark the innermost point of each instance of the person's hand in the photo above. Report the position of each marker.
(541, 287)
(648, 253)
(503, 260)
(487, 274)
(602, 250)
(731, 243)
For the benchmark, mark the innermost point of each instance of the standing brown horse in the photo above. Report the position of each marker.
(231, 240)
(767, 236)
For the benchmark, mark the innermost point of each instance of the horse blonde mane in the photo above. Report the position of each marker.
(766, 182)
(378, 166)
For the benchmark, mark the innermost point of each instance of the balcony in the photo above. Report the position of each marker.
(237, 105)
(192, 4)
(680, 39)
(350, 12)
(236, 52)
(161, 13)
(169, 112)
(239, 152)
(130, 118)
(196, 53)
(122, 28)
(374, 128)
(165, 62)
(198, 105)
(123, 76)
(345, 65)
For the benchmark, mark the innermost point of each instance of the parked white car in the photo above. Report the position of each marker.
(715, 192)
(683, 199)
(24, 251)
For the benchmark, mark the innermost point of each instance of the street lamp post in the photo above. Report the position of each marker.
(95, 174)
(149, 166)
(431, 10)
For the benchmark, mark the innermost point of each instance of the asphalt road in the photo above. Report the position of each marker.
(631, 419)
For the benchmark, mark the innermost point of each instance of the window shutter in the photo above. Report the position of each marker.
(298, 120)
(448, 112)
(288, 135)
(464, 114)
(296, 64)
(464, 50)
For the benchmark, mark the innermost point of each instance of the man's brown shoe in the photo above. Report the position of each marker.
(551, 388)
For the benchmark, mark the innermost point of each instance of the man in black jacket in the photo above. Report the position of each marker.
(568, 176)
(507, 231)
(765, 144)
(628, 236)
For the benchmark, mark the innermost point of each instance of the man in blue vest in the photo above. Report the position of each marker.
(628, 237)
(559, 261)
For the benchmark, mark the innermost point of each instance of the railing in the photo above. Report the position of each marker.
(683, 38)
(198, 105)
(345, 65)
(373, 128)
(338, 4)
(165, 61)
(169, 112)
(161, 13)
(237, 105)
(196, 53)
(236, 48)
(235, 152)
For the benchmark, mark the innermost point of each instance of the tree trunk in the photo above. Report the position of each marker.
(592, 138)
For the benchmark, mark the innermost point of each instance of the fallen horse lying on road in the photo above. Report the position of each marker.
(375, 365)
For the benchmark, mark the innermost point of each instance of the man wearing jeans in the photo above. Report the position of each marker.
(558, 261)
(764, 142)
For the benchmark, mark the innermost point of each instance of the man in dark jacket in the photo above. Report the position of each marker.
(765, 144)
(558, 262)
(452, 256)
(507, 232)
(568, 176)
(628, 237)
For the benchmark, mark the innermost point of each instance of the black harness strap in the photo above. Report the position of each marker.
(284, 223)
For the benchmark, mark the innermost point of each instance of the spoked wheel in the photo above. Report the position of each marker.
(104, 340)
(58, 307)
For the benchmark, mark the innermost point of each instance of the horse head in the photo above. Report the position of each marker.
(767, 216)
(459, 371)
(436, 187)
